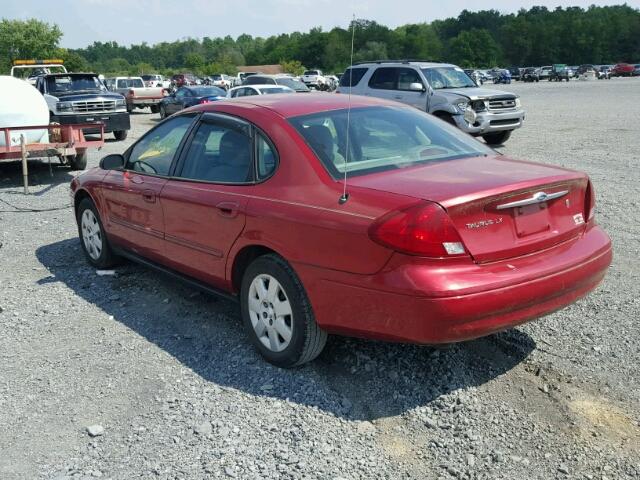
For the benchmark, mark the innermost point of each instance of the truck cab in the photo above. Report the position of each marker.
(82, 98)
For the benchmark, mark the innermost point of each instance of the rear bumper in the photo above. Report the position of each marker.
(113, 122)
(143, 102)
(488, 122)
(414, 300)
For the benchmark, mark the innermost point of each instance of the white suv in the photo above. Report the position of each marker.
(441, 89)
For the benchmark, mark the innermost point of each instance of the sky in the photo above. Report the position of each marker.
(152, 21)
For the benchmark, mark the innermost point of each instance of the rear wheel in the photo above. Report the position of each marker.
(120, 134)
(497, 138)
(277, 314)
(78, 161)
(92, 236)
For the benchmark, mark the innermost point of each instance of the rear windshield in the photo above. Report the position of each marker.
(292, 83)
(129, 83)
(208, 92)
(266, 91)
(311, 72)
(383, 138)
(352, 77)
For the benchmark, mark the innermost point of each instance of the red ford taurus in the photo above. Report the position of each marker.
(439, 238)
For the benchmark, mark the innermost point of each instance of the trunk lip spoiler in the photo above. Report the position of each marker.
(538, 197)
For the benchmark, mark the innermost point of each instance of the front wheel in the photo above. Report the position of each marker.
(497, 138)
(120, 135)
(277, 314)
(92, 236)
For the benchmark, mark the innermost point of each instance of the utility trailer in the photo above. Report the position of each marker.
(66, 142)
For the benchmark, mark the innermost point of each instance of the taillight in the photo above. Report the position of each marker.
(590, 203)
(204, 100)
(422, 229)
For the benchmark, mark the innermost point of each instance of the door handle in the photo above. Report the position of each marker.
(228, 209)
(149, 196)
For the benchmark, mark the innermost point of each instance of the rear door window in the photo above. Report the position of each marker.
(352, 76)
(384, 78)
(221, 152)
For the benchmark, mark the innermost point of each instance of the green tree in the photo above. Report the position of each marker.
(292, 66)
(194, 62)
(28, 39)
(475, 48)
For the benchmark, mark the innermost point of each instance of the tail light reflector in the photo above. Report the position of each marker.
(422, 229)
(204, 100)
(590, 204)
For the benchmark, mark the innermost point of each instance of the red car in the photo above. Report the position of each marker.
(438, 239)
(622, 70)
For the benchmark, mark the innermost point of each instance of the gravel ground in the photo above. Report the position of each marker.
(137, 376)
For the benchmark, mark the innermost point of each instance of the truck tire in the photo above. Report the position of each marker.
(78, 161)
(497, 138)
(155, 108)
(120, 134)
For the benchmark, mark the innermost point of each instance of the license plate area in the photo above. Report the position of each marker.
(531, 219)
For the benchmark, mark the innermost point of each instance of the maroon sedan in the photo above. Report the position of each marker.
(438, 239)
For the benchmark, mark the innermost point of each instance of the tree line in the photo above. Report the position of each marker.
(487, 38)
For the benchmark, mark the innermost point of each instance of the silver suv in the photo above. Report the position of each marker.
(441, 89)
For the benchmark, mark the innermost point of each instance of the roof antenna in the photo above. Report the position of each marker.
(345, 196)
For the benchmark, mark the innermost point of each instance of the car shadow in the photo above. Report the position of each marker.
(43, 176)
(353, 379)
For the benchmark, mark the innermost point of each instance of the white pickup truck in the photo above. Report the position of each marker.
(136, 94)
(315, 79)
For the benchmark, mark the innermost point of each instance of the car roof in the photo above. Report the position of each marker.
(295, 105)
(400, 63)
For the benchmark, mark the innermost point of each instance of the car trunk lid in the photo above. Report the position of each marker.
(502, 208)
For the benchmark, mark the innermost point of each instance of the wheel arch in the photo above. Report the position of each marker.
(241, 261)
(80, 195)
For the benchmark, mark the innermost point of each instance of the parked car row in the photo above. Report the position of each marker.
(556, 72)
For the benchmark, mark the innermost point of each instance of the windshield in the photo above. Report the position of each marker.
(447, 77)
(73, 83)
(383, 138)
(294, 84)
(208, 92)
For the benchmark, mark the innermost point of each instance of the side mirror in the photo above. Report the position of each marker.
(417, 87)
(115, 161)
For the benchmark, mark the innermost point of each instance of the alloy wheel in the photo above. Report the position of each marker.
(270, 312)
(91, 234)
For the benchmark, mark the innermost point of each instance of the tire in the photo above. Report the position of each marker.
(78, 161)
(497, 138)
(163, 112)
(155, 108)
(93, 239)
(120, 134)
(306, 339)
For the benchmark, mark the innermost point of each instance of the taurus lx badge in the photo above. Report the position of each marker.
(485, 223)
